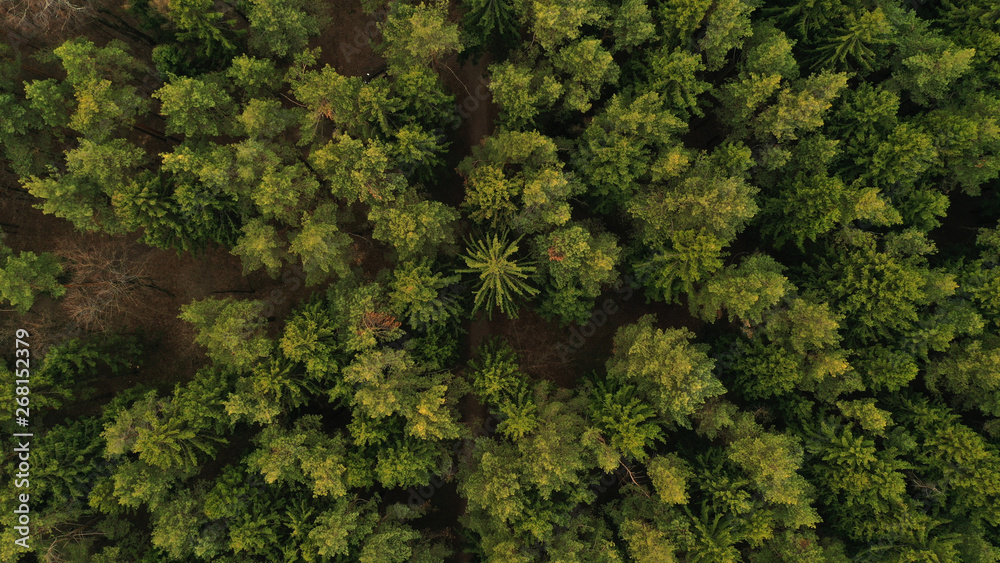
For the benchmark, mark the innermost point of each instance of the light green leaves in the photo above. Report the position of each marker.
(672, 373)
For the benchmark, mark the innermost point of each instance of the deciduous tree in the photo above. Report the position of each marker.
(575, 264)
(672, 373)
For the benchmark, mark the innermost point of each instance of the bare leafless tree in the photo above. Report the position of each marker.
(64, 534)
(32, 18)
(109, 280)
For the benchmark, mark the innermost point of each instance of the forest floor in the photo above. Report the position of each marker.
(172, 356)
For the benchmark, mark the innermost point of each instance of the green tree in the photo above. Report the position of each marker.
(674, 74)
(197, 20)
(766, 371)
(282, 192)
(94, 173)
(254, 77)
(490, 24)
(706, 27)
(421, 295)
(230, 330)
(687, 221)
(954, 459)
(866, 414)
(310, 339)
(627, 141)
(523, 92)
(555, 22)
(388, 382)
(279, 28)
(50, 100)
(628, 424)
(418, 35)
(515, 179)
(414, 226)
(865, 486)
(632, 25)
(302, 454)
(575, 265)
(728, 23)
(689, 258)
(26, 274)
(99, 77)
(799, 107)
(673, 374)
(745, 291)
(884, 368)
(320, 245)
(172, 433)
(260, 247)
(712, 197)
(968, 146)
(195, 106)
(358, 170)
(173, 212)
(849, 46)
(503, 279)
(353, 106)
(928, 65)
(803, 325)
(969, 373)
(973, 24)
(520, 493)
(272, 388)
(264, 119)
(882, 287)
(588, 66)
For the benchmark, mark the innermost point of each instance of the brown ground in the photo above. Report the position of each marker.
(173, 357)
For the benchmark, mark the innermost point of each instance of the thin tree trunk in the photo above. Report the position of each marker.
(124, 27)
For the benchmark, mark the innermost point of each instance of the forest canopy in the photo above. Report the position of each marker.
(501, 281)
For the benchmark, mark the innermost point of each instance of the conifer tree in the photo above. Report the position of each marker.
(503, 278)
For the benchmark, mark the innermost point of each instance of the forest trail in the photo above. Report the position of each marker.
(474, 118)
(173, 356)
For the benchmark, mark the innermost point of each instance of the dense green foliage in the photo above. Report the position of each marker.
(697, 281)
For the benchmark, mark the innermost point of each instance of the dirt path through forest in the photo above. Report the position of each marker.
(172, 356)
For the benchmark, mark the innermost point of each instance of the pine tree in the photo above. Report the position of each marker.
(516, 180)
(745, 291)
(421, 294)
(25, 275)
(503, 279)
(230, 330)
(414, 226)
(260, 247)
(321, 246)
(418, 35)
(195, 106)
(279, 28)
